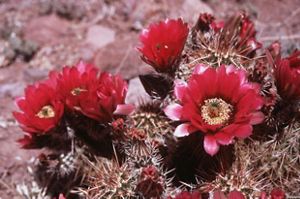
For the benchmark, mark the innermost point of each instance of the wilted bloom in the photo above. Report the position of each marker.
(150, 184)
(287, 76)
(248, 33)
(219, 103)
(207, 22)
(105, 98)
(162, 44)
(247, 28)
(73, 81)
(41, 111)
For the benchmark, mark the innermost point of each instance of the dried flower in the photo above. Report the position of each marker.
(287, 76)
(247, 34)
(204, 22)
(162, 44)
(150, 183)
(217, 102)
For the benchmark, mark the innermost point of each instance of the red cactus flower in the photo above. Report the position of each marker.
(73, 81)
(105, 98)
(162, 44)
(287, 76)
(219, 103)
(41, 110)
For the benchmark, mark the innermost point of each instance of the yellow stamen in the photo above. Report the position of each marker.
(77, 91)
(216, 111)
(46, 112)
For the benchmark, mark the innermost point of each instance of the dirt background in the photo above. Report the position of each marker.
(37, 36)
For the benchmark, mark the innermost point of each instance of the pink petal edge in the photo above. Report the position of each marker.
(179, 89)
(257, 118)
(173, 111)
(124, 109)
(200, 68)
(210, 145)
(183, 130)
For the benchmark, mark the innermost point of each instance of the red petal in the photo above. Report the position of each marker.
(20, 117)
(218, 195)
(243, 131)
(235, 195)
(223, 138)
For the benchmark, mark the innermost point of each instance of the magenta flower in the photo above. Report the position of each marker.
(219, 103)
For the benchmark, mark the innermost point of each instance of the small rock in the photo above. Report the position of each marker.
(15, 41)
(69, 9)
(12, 89)
(99, 36)
(35, 74)
(24, 48)
(189, 10)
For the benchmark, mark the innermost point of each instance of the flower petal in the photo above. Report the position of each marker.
(210, 145)
(235, 195)
(184, 130)
(257, 118)
(124, 109)
(179, 89)
(218, 195)
(243, 131)
(223, 138)
(173, 111)
(200, 68)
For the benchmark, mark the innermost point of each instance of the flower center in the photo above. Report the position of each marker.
(46, 112)
(77, 91)
(216, 111)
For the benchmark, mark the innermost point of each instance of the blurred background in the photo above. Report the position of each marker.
(37, 36)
